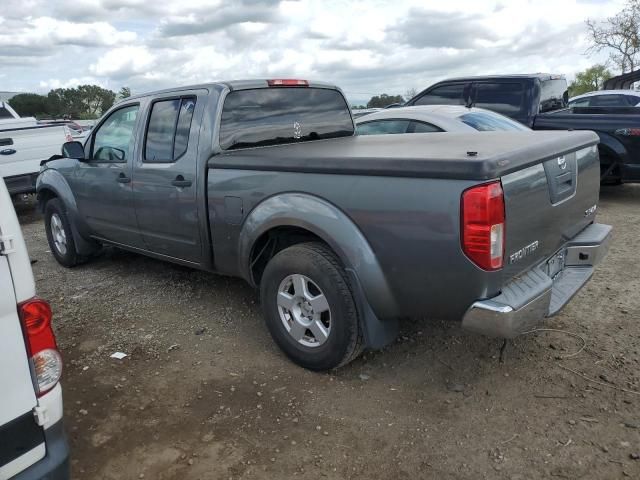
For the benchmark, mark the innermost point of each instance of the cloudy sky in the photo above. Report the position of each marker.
(366, 47)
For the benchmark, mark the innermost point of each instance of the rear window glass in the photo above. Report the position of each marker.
(506, 98)
(4, 113)
(553, 94)
(274, 116)
(487, 122)
(444, 95)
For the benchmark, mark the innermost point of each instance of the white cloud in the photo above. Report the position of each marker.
(122, 62)
(366, 46)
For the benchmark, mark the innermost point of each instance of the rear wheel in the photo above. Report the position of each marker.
(309, 307)
(610, 173)
(59, 234)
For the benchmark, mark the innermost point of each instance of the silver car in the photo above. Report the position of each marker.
(435, 118)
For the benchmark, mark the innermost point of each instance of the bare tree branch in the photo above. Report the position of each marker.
(619, 35)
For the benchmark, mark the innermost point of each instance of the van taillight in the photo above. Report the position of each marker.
(482, 225)
(35, 315)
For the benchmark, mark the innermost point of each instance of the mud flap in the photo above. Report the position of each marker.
(377, 333)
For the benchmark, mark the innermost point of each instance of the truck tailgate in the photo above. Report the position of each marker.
(546, 205)
(22, 149)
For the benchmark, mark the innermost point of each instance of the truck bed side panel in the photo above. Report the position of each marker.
(409, 222)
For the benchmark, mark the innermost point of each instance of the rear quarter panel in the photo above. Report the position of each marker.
(412, 225)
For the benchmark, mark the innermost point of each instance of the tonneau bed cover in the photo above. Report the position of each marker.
(436, 155)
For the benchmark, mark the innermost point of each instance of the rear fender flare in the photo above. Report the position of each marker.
(334, 227)
(610, 144)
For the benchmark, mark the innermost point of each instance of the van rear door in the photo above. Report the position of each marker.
(21, 439)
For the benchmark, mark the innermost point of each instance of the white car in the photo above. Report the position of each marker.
(32, 441)
(23, 145)
(606, 98)
(434, 118)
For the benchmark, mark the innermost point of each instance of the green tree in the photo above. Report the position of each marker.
(64, 103)
(125, 92)
(384, 100)
(83, 102)
(95, 99)
(29, 104)
(619, 35)
(591, 79)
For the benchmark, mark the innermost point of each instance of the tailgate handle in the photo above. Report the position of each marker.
(8, 151)
(564, 182)
(6, 141)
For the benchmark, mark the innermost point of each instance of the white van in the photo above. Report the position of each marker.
(32, 441)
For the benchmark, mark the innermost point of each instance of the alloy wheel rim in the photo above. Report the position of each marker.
(58, 234)
(304, 310)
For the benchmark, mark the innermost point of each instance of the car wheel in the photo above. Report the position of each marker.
(309, 307)
(59, 234)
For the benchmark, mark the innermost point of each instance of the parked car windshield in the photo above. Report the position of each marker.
(273, 116)
(488, 122)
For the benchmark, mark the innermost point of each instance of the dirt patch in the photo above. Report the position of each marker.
(204, 393)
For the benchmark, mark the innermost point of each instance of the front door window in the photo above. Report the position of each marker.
(113, 142)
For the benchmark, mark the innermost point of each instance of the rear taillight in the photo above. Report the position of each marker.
(482, 229)
(287, 82)
(35, 315)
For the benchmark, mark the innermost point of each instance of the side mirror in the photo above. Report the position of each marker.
(73, 150)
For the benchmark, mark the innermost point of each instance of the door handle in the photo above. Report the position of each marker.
(122, 178)
(181, 182)
(8, 151)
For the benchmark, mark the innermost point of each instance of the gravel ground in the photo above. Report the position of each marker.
(205, 394)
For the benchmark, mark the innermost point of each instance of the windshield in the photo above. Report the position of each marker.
(273, 116)
(490, 122)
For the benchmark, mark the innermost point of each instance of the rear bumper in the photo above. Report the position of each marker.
(55, 464)
(527, 300)
(21, 183)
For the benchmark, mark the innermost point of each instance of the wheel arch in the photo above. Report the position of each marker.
(303, 217)
(52, 184)
(612, 147)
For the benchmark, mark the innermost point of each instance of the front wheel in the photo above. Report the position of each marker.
(309, 307)
(59, 234)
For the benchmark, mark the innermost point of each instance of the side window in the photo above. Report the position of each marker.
(184, 127)
(608, 101)
(422, 127)
(443, 95)
(382, 127)
(632, 100)
(581, 102)
(113, 140)
(168, 130)
(505, 98)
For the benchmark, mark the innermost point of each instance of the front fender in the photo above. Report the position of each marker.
(50, 182)
(334, 227)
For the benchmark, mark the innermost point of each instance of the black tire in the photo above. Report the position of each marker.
(69, 257)
(320, 265)
(615, 176)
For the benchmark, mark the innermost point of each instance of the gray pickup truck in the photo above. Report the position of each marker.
(343, 234)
